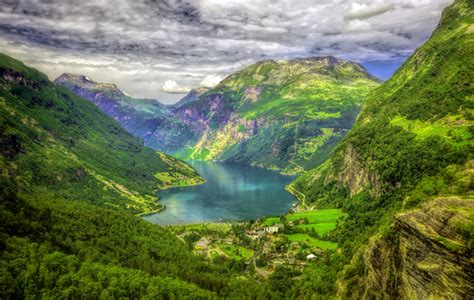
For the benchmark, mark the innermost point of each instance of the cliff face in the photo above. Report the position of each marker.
(411, 143)
(192, 96)
(431, 257)
(145, 118)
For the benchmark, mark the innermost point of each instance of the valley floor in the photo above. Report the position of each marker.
(293, 241)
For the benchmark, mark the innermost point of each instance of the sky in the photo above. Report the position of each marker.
(162, 48)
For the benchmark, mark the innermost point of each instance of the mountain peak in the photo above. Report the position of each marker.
(82, 80)
(278, 71)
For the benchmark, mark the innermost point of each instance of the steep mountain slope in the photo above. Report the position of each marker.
(63, 164)
(410, 151)
(285, 115)
(59, 144)
(141, 117)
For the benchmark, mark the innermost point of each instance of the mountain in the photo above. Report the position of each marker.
(404, 175)
(141, 117)
(59, 144)
(284, 115)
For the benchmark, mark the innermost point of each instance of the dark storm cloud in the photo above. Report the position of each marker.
(167, 46)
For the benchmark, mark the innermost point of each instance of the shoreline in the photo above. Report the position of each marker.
(163, 207)
(147, 213)
(296, 206)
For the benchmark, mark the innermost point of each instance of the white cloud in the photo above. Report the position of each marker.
(211, 81)
(170, 86)
(142, 44)
(365, 11)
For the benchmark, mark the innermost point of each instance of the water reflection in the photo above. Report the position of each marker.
(231, 192)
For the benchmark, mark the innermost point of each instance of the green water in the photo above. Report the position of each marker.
(231, 193)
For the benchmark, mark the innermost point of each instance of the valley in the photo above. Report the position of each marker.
(297, 178)
(282, 115)
(260, 247)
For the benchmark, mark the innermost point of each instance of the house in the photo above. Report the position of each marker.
(311, 256)
(275, 228)
(202, 244)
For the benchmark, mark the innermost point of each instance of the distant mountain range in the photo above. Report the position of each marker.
(284, 115)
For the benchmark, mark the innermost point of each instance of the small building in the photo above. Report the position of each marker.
(202, 244)
(275, 228)
(311, 256)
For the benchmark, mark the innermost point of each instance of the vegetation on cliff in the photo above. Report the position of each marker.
(412, 142)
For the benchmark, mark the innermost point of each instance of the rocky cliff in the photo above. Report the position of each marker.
(429, 258)
(147, 119)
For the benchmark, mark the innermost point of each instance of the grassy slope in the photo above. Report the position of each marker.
(302, 108)
(412, 141)
(56, 143)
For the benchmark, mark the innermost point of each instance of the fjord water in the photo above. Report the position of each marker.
(231, 193)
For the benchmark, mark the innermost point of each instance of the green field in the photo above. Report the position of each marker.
(312, 242)
(317, 216)
(320, 228)
(270, 221)
(236, 252)
(322, 221)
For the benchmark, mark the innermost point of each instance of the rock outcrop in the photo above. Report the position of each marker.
(430, 257)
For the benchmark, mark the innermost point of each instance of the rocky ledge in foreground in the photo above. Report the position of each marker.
(431, 256)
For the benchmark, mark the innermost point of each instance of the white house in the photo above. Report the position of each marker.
(275, 228)
(310, 256)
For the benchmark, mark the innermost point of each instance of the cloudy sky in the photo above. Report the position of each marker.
(162, 48)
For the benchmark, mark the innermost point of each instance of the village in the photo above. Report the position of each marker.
(293, 240)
